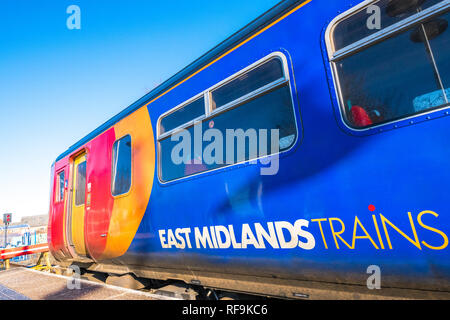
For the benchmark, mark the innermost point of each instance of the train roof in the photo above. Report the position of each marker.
(251, 28)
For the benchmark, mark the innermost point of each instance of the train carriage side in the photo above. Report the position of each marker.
(358, 178)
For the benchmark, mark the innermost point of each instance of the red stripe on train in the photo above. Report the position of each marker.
(21, 251)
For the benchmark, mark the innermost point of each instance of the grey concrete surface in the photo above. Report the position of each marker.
(8, 294)
(22, 284)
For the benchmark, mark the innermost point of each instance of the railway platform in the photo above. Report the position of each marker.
(26, 284)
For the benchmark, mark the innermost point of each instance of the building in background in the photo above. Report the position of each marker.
(29, 231)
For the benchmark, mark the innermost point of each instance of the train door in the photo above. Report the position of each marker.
(58, 208)
(78, 205)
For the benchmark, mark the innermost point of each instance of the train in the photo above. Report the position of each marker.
(304, 157)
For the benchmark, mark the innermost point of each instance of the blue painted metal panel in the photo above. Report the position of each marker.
(331, 173)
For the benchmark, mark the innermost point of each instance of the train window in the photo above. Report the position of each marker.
(441, 53)
(60, 186)
(248, 82)
(364, 23)
(121, 166)
(401, 71)
(80, 192)
(267, 109)
(183, 115)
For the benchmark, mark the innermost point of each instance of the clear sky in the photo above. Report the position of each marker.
(57, 85)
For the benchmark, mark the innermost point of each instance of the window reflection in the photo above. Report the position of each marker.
(61, 181)
(403, 75)
(80, 193)
(121, 166)
(182, 116)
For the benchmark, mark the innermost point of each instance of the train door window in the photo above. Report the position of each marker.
(80, 193)
(253, 107)
(121, 166)
(60, 186)
(396, 70)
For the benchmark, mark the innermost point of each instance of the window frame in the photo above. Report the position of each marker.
(131, 167)
(210, 112)
(335, 56)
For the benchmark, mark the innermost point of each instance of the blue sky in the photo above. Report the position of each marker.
(56, 84)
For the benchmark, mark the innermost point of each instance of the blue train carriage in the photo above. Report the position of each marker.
(341, 186)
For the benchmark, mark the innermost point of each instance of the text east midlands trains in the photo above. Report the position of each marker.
(330, 233)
